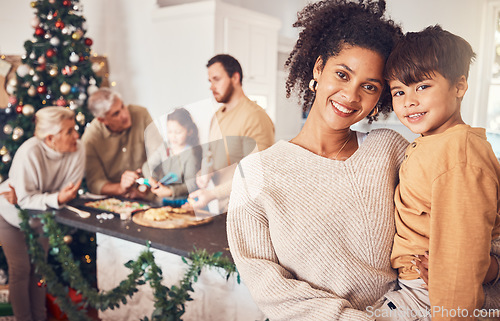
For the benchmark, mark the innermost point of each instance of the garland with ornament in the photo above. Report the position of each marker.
(169, 302)
(55, 71)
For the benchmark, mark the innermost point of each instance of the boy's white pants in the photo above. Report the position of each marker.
(409, 303)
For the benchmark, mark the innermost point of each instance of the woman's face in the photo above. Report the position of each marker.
(65, 140)
(349, 86)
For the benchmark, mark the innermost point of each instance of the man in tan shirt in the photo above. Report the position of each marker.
(238, 128)
(114, 145)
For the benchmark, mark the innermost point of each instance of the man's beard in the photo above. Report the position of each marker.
(227, 95)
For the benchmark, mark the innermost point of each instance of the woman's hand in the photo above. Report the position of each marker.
(68, 192)
(423, 266)
(200, 198)
(158, 189)
(10, 196)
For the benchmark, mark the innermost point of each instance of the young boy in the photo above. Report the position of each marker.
(447, 201)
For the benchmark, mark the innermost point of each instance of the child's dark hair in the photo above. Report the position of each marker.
(183, 117)
(230, 64)
(327, 26)
(417, 55)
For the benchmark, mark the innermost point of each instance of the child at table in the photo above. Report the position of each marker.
(184, 157)
(447, 201)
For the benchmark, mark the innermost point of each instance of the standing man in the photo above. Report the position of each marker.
(114, 145)
(238, 128)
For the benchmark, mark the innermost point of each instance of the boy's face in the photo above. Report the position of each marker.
(430, 106)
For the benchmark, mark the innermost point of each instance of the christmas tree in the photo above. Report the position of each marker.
(55, 71)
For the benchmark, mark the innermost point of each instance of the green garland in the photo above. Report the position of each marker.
(169, 302)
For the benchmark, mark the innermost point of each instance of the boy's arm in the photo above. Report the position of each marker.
(463, 212)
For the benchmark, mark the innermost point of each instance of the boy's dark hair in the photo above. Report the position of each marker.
(327, 26)
(230, 64)
(417, 55)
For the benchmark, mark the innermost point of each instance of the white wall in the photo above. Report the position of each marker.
(122, 30)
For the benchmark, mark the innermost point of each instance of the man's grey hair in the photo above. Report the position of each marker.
(100, 102)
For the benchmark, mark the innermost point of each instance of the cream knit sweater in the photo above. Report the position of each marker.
(312, 236)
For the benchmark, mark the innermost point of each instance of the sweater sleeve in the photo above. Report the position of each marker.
(27, 171)
(275, 289)
(463, 212)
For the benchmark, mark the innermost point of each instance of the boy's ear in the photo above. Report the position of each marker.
(318, 67)
(461, 87)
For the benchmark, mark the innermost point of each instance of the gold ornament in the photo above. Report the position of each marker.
(6, 158)
(65, 88)
(68, 239)
(7, 129)
(80, 118)
(76, 36)
(32, 91)
(17, 133)
(33, 4)
(3, 151)
(53, 71)
(28, 110)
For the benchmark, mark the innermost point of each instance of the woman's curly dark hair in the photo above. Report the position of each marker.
(326, 27)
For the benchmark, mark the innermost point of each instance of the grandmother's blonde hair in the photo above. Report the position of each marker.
(48, 120)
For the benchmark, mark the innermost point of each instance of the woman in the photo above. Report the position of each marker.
(183, 157)
(310, 221)
(46, 172)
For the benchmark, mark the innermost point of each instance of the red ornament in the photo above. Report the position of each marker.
(40, 67)
(67, 71)
(41, 89)
(50, 53)
(39, 32)
(19, 109)
(88, 42)
(61, 102)
(82, 58)
(59, 24)
(55, 14)
(66, 3)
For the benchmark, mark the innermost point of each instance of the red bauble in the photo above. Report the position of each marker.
(61, 102)
(59, 24)
(67, 71)
(41, 89)
(82, 58)
(19, 109)
(39, 32)
(88, 42)
(66, 3)
(40, 67)
(50, 53)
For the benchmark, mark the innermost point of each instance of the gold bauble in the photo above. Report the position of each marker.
(33, 4)
(53, 71)
(68, 239)
(76, 36)
(80, 118)
(3, 151)
(7, 129)
(32, 91)
(65, 88)
(28, 110)
(6, 158)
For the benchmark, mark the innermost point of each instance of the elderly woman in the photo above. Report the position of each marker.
(46, 172)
